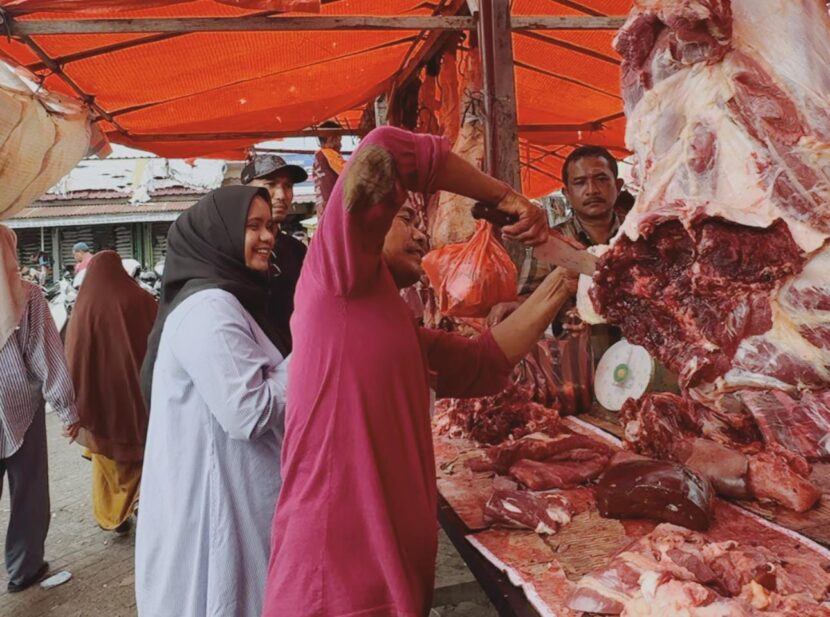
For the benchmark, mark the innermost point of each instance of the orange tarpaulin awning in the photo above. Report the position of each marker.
(209, 93)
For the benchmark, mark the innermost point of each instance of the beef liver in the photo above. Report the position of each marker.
(667, 492)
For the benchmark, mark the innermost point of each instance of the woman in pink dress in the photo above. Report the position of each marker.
(355, 530)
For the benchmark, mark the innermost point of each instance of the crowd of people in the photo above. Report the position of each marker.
(272, 411)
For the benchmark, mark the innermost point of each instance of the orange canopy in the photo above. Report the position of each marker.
(204, 93)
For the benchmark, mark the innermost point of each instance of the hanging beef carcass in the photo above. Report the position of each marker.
(451, 221)
(722, 270)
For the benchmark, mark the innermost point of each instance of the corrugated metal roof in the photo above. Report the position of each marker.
(104, 194)
(49, 212)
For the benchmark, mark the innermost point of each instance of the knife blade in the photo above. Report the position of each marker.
(557, 250)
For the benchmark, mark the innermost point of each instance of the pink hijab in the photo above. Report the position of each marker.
(12, 292)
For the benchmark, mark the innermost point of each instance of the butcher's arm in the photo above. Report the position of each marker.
(517, 334)
(243, 388)
(423, 163)
(346, 254)
(458, 176)
(465, 367)
(388, 162)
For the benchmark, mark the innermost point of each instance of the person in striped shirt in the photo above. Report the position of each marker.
(32, 373)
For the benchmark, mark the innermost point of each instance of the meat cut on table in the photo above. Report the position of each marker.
(722, 446)
(528, 405)
(543, 462)
(659, 490)
(552, 474)
(675, 571)
(722, 268)
(726, 468)
(800, 425)
(543, 513)
(540, 447)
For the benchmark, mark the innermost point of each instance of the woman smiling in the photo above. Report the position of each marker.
(216, 382)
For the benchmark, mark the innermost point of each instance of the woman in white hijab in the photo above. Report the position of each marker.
(32, 372)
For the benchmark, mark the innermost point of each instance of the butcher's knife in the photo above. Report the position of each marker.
(558, 250)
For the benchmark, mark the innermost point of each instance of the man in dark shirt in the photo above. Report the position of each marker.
(278, 178)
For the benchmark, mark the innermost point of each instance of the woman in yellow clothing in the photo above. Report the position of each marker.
(106, 341)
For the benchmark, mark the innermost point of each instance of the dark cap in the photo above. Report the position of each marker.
(264, 165)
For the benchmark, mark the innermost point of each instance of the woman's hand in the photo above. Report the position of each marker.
(71, 431)
(532, 228)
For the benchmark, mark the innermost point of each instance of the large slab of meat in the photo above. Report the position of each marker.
(675, 571)
(542, 462)
(800, 425)
(724, 447)
(722, 270)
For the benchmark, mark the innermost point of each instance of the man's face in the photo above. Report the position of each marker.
(281, 188)
(78, 255)
(404, 248)
(592, 188)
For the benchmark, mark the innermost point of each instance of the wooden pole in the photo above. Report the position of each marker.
(570, 22)
(24, 27)
(501, 136)
(238, 24)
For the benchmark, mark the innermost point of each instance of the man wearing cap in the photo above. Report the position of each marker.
(278, 177)
(328, 165)
(82, 256)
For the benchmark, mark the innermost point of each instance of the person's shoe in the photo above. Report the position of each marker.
(15, 587)
(124, 528)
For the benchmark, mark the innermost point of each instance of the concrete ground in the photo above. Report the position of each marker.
(101, 563)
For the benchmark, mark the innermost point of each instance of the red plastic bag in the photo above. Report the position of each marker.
(469, 279)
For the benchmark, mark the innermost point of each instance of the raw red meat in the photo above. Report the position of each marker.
(450, 217)
(674, 571)
(659, 490)
(720, 262)
(540, 447)
(528, 405)
(798, 425)
(657, 423)
(724, 467)
(691, 296)
(494, 419)
(772, 477)
(663, 37)
(669, 427)
(544, 514)
(552, 474)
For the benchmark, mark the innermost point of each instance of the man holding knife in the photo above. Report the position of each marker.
(592, 188)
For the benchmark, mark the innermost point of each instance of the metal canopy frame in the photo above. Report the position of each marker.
(37, 27)
(430, 33)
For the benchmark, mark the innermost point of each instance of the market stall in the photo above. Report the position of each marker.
(720, 271)
(704, 494)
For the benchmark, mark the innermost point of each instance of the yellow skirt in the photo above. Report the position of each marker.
(114, 490)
